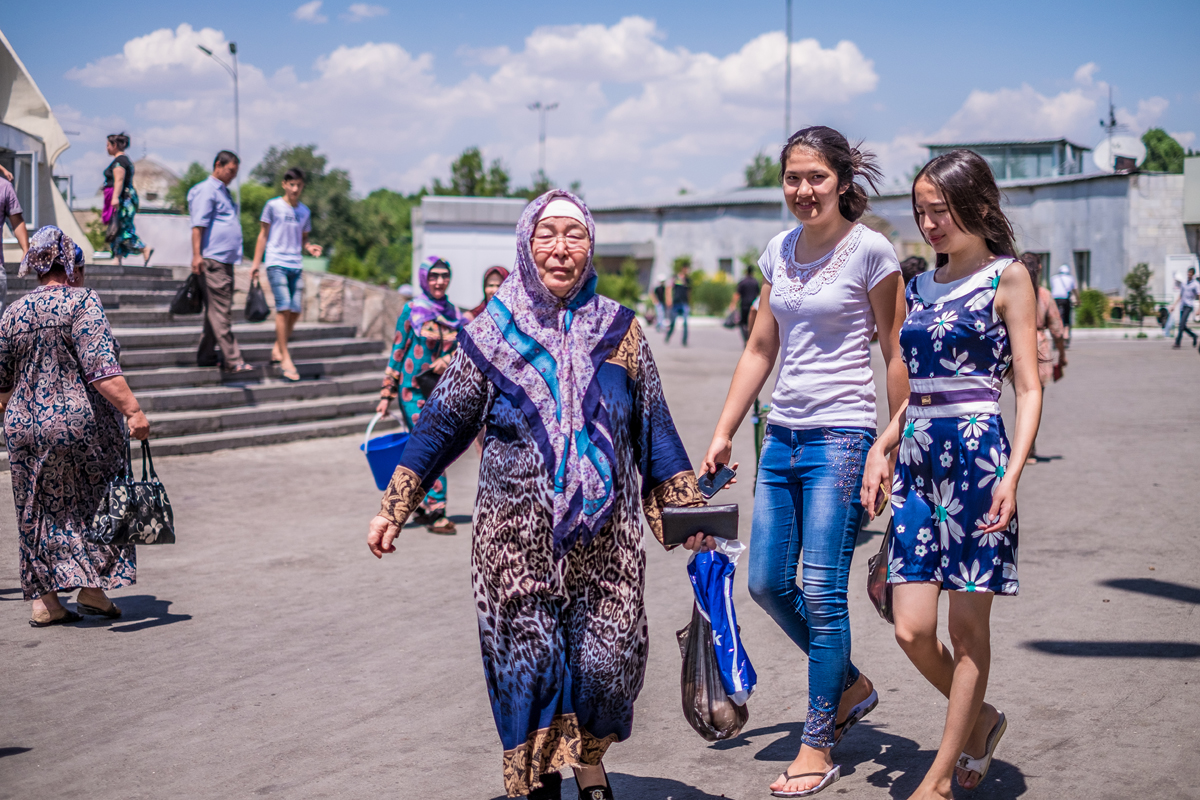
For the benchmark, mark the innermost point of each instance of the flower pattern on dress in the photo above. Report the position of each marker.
(914, 440)
(974, 425)
(993, 468)
(942, 324)
(971, 581)
(945, 506)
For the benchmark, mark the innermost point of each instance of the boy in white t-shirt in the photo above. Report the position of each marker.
(283, 235)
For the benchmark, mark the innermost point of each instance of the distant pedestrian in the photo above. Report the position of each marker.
(680, 300)
(580, 446)
(747, 292)
(1065, 293)
(283, 232)
(660, 305)
(492, 279)
(426, 338)
(970, 324)
(10, 209)
(66, 409)
(1189, 298)
(830, 282)
(405, 290)
(911, 267)
(216, 247)
(121, 202)
(1049, 329)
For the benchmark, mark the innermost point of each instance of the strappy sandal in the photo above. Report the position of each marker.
(827, 780)
(443, 526)
(981, 765)
(112, 612)
(856, 716)
(66, 619)
(239, 369)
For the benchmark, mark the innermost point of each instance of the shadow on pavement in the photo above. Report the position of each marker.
(636, 787)
(141, 611)
(13, 751)
(1116, 649)
(10, 591)
(1155, 588)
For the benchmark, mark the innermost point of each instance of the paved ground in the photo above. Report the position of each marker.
(268, 654)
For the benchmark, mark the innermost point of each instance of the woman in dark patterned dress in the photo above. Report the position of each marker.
(64, 403)
(579, 443)
(971, 323)
(121, 201)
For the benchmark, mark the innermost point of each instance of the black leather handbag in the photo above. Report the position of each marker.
(878, 588)
(134, 512)
(256, 303)
(190, 298)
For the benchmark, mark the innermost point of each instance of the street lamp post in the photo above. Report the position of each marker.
(542, 108)
(237, 128)
(787, 79)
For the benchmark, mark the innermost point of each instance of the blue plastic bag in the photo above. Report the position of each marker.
(711, 574)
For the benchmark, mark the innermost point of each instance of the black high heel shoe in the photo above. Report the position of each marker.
(551, 788)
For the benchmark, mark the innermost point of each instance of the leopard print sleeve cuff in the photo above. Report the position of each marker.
(678, 491)
(403, 494)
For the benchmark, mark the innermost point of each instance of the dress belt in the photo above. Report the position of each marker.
(954, 397)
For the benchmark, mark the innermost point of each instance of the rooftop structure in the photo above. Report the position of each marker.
(1018, 160)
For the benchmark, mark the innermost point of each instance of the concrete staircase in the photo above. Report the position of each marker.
(197, 409)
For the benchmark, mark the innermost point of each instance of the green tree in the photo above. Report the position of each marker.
(1093, 309)
(254, 197)
(762, 171)
(1163, 153)
(382, 237)
(1138, 301)
(468, 178)
(177, 194)
(326, 192)
(624, 287)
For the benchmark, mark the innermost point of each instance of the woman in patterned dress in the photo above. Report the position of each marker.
(121, 201)
(971, 324)
(426, 338)
(64, 401)
(579, 444)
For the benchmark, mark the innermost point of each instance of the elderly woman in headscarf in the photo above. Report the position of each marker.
(579, 444)
(491, 284)
(426, 338)
(66, 409)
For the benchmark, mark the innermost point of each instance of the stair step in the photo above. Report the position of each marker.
(287, 412)
(102, 283)
(255, 353)
(267, 391)
(245, 333)
(166, 377)
(109, 269)
(161, 315)
(274, 434)
(123, 298)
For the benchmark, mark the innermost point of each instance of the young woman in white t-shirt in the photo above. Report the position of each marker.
(829, 284)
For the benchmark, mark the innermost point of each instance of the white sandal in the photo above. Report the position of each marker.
(981, 765)
(830, 777)
(856, 716)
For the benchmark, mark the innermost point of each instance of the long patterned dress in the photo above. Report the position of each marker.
(953, 449)
(412, 353)
(564, 641)
(65, 441)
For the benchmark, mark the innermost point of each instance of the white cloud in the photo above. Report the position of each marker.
(310, 12)
(1185, 138)
(361, 11)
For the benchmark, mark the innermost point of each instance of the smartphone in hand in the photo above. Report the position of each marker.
(712, 482)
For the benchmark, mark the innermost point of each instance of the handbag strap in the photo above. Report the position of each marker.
(148, 460)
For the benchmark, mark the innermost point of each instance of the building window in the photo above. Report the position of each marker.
(1083, 268)
(725, 265)
(1046, 268)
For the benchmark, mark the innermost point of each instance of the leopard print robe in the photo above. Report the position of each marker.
(564, 642)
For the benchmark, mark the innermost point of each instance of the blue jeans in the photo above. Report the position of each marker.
(287, 284)
(807, 500)
(676, 312)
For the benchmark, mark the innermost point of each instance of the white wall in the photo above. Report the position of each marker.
(470, 250)
(170, 235)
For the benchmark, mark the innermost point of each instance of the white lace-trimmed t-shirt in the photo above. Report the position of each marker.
(825, 329)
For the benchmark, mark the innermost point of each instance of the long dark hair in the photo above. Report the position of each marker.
(966, 183)
(848, 162)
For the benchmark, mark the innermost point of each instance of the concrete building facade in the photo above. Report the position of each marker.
(471, 233)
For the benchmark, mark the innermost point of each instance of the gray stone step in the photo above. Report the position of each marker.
(255, 353)
(113, 300)
(266, 391)
(103, 283)
(151, 316)
(167, 377)
(288, 412)
(245, 333)
(273, 434)
(109, 269)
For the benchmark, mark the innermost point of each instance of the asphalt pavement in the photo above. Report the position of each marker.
(267, 654)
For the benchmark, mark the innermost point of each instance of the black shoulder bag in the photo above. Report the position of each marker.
(134, 512)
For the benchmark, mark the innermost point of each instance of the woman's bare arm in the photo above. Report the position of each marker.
(116, 391)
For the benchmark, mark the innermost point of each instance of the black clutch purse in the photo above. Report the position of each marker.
(134, 512)
(680, 524)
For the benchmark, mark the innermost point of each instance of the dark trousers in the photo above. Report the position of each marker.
(1064, 310)
(217, 279)
(1185, 313)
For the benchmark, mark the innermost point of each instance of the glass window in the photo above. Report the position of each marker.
(1083, 268)
(725, 265)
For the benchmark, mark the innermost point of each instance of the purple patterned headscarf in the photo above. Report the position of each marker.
(425, 308)
(49, 246)
(544, 353)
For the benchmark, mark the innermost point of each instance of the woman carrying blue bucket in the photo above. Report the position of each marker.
(426, 337)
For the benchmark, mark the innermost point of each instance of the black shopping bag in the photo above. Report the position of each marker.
(256, 303)
(190, 298)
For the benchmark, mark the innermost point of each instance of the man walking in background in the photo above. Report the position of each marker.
(10, 209)
(1064, 291)
(1189, 296)
(216, 247)
(680, 299)
(747, 293)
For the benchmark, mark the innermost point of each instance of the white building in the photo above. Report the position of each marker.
(472, 234)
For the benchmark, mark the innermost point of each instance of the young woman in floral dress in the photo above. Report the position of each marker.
(970, 325)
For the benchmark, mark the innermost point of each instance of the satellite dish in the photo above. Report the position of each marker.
(1106, 153)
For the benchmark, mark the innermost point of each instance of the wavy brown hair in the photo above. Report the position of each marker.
(848, 162)
(967, 185)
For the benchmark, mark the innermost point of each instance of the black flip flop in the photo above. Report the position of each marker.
(65, 619)
(113, 611)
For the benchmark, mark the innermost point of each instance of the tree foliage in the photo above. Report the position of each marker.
(468, 178)
(1163, 153)
(177, 194)
(762, 171)
(1139, 303)
(326, 192)
(624, 287)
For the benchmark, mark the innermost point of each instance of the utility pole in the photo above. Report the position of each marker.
(542, 108)
(787, 79)
(237, 127)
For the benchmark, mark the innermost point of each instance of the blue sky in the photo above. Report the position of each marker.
(654, 96)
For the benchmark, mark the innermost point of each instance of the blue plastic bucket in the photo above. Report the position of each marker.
(383, 453)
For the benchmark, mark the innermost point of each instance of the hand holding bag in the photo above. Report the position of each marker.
(189, 299)
(878, 588)
(134, 512)
(256, 303)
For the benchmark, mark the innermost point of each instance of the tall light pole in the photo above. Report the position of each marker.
(787, 79)
(542, 108)
(237, 127)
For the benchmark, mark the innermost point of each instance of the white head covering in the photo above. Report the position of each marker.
(1063, 269)
(405, 290)
(562, 207)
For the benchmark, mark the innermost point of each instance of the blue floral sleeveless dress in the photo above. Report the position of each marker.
(953, 449)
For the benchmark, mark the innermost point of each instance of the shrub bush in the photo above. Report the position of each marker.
(1093, 309)
(622, 287)
(711, 295)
